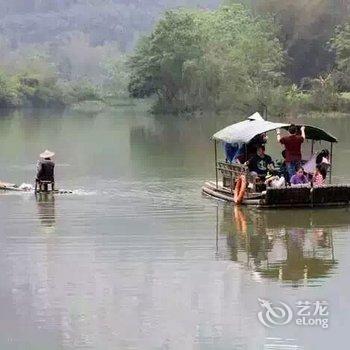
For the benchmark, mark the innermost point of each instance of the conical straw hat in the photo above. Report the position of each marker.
(47, 154)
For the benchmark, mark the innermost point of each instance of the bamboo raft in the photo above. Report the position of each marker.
(297, 197)
(256, 195)
(7, 187)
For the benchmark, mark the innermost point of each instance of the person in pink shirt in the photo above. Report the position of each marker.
(319, 178)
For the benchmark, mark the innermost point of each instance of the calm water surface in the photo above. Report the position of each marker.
(137, 258)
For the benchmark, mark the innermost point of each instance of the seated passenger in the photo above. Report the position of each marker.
(46, 167)
(231, 151)
(273, 180)
(249, 150)
(260, 164)
(323, 157)
(283, 167)
(319, 178)
(299, 178)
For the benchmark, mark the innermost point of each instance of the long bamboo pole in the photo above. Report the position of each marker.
(216, 161)
(331, 161)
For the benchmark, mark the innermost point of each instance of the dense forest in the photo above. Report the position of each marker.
(289, 56)
(286, 55)
(56, 52)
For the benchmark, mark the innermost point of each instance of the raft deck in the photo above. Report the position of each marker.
(288, 197)
(14, 188)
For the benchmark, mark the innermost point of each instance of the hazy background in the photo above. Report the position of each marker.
(100, 22)
(81, 36)
(59, 52)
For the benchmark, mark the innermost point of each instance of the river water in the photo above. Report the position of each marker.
(138, 258)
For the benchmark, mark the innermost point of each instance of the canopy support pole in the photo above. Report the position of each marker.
(216, 164)
(217, 229)
(265, 111)
(312, 147)
(331, 161)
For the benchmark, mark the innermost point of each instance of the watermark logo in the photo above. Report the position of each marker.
(274, 315)
(305, 313)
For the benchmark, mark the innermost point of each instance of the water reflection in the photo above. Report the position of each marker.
(274, 246)
(46, 211)
(185, 154)
(133, 265)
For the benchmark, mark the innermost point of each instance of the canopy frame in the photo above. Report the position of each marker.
(312, 133)
(246, 130)
(216, 162)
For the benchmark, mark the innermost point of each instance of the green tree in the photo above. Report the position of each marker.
(208, 59)
(305, 28)
(157, 65)
(8, 91)
(340, 43)
(324, 94)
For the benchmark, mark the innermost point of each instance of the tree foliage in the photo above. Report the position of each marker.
(82, 44)
(208, 59)
(305, 28)
(340, 43)
(34, 81)
(246, 54)
(8, 91)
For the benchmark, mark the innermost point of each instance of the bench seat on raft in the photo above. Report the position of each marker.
(230, 172)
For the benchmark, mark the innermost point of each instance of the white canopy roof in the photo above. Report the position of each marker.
(246, 130)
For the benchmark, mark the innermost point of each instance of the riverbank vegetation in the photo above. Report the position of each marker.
(58, 53)
(42, 76)
(287, 56)
(284, 56)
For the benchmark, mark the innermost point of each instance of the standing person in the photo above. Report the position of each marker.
(45, 168)
(292, 143)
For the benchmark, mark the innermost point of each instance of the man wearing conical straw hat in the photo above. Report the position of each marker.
(45, 169)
